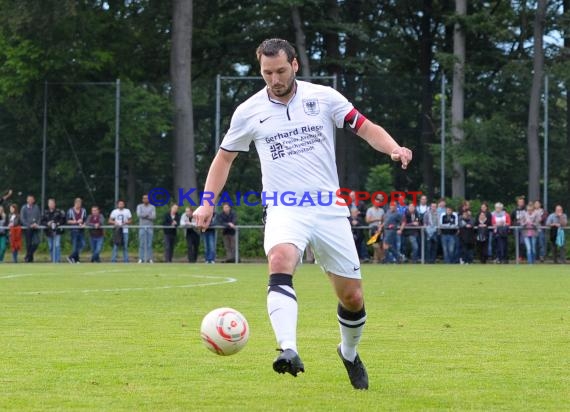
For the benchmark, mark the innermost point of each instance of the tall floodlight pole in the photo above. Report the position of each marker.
(117, 125)
(442, 173)
(545, 188)
(44, 146)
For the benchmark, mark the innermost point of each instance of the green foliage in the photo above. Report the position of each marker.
(374, 48)
(18, 66)
(380, 178)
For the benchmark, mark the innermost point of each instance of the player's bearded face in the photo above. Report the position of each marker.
(279, 74)
(282, 89)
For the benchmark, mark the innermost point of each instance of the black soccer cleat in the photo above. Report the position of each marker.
(288, 361)
(356, 371)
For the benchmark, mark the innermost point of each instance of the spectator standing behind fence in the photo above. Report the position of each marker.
(31, 216)
(449, 223)
(392, 222)
(485, 209)
(228, 219)
(3, 232)
(530, 220)
(147, 215)
(422, 207)
(96, 235)
(52, 219)
(121, 218)
(171, 219)
(501, 221)
(431, 223)
(15, 228)
(209, 236)
(465, 206)
(557, 221)
(541, 236)
(410, 232)
(76, 217)
(467, 236)
(482, 224)
(374, 218)
(516, 216)
(191, 235)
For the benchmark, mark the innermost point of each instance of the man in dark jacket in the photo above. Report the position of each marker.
(228, 220)
(449, 223)
(31, 216)
(410, 231)
(516, 216)
(467, 237)
(171, 219)
(53, 218)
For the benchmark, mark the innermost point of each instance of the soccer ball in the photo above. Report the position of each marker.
(224, 331)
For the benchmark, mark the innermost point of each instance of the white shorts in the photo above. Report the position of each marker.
(329, 235)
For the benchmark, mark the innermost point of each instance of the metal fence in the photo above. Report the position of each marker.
(239, 229)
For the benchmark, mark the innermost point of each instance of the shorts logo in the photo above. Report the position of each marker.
(311, 106)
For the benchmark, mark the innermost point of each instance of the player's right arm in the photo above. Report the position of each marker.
(215, 182)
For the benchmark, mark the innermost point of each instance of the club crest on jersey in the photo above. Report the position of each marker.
(311, 106)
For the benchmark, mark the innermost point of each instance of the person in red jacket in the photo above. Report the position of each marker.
(15, 232)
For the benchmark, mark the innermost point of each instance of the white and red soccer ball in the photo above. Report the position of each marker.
(224, 331)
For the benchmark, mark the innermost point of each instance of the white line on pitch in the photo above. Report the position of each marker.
(53, 292)
(20, 275)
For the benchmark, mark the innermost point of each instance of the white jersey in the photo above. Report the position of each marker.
(295, 141)
(121, 217)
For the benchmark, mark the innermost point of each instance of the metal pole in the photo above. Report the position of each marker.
(117, 125)
(423, 243)
(442, 176)
(545, 189)
(218, 109)
(236, 255)
(44, 146)
(517, 251)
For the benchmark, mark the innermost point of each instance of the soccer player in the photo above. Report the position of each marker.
(292, 124)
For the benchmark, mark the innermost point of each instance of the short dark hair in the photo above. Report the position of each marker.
(272, 47)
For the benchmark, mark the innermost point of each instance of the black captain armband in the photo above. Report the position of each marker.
(353, 120)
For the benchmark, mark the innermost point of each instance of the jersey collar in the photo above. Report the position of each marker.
(281, 103)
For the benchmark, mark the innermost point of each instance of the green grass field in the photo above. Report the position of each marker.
(126, 337)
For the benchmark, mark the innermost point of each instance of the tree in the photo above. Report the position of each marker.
(425, 66)
(566, 7)
(534, 104)
(180, 71)
(458, 97)
(300, 41)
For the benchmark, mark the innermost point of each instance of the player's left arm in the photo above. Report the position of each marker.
(377, 137)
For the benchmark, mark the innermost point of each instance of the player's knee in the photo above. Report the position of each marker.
(282, 260)
(352, 300)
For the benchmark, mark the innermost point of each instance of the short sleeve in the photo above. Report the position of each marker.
(239, 137)
(339, 106)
